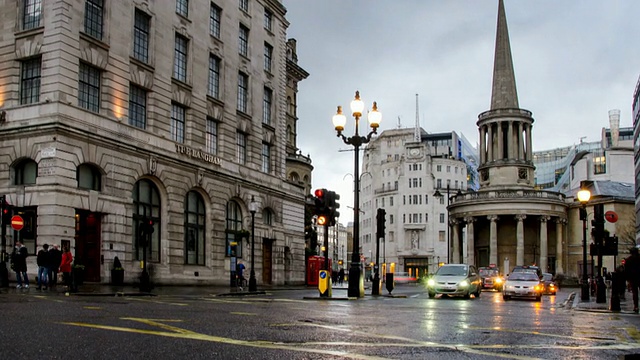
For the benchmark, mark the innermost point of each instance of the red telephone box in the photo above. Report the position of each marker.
(314, 265)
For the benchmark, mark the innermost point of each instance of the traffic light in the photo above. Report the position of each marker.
(322, 220)
(145, 229)
(7, 211)
(597, 224)
(381, 219)
(610, 246)
(332, 207)
(321, 202)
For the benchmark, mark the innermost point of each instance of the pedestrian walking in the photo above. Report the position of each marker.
(632, 273)
(42, 259)
(341, 276)
(55, 259)
(19, 264)
(65, 266)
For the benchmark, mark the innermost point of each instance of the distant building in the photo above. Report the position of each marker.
(636, 152)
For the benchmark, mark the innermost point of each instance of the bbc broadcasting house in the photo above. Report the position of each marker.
(182, 112)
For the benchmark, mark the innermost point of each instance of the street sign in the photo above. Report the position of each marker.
(17, 223)
(611, 216)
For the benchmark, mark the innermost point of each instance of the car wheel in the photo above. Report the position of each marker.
(538, 298)
(477, 294)
(432, 294)
(506, 297)
(467, 295)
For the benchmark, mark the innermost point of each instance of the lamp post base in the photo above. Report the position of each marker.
(584, 294)
(253, 287)
(356, 285)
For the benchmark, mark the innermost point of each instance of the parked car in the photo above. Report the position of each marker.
(455, 280)
(550, 286)
(403, 278)
(491, 278)
(528, 268)
(523, 284)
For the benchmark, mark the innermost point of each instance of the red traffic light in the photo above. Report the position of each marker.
(319, 193)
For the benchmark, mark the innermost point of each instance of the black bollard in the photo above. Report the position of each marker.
(389, 282)
(601, 290)
(615, 292)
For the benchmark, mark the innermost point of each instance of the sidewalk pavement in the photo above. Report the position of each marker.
(626, 304)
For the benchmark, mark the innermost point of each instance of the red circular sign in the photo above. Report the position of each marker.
(611, 216)
(17, 223)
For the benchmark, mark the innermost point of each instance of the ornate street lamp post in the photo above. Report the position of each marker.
(356, 283)
(253, 207)
(584, 196)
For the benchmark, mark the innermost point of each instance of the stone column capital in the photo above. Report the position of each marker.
(561, 220)
(492, 218)
(545, 218)
(469, 219)
(521, 217)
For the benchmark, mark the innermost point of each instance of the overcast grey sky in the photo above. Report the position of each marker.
(574, 61)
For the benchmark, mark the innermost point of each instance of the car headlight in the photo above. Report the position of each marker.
(498, 280)
(430, 282)
(464, 283)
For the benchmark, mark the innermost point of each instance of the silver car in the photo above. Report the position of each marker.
(455, 280)
(522, 284)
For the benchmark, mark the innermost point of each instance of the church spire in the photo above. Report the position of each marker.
(504, 94)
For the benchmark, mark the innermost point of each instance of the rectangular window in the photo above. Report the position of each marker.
(391, 218)
(382, 202)
(30, 81)
(32, 14)
(439, 183)
(241, 142)
(215, 16)
(599, 164)
(243, 92)
(441, 200)
(137, 106)
(266, 106)
(268, 20)
(426, 199)
(448, 168)
(441, 218)
(266, 157)
(178, 115)
(390, 200)
(214, 77)
(180, 58)
(243, 40)
(93, 18)
(438, 168)
(268, 56)
(182, 7)
(212, 136)
(244, 5)
(441, 236)
(415, 218)
(141, 27)
(89, 88)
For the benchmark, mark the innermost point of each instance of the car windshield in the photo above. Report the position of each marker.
(452, 271)
(523, 276)
(488, 272)
(547, 277)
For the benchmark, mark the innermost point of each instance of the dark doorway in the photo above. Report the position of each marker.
(88, 230)
(267, 256)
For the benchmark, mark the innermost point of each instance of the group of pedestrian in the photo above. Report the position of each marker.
(50, 261)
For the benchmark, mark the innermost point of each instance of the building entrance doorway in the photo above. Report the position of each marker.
(88, 230)
(267, 260)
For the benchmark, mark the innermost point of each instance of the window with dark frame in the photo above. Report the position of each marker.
(178, 115)
(89, 88)
(266, 157)
(137, 106)
(93, 18)
(26, 172)
(241, 143)
(234, 233)
(182, 7)
(243, 91)
(30, 74)
(194, 229)
(267, 100)
(180, 58)
(268, 20)
(244, 5)
(88, 177)
(243, 40)
(214, 77)
(212, 136)
(215, 16)
(141, 27)
(268, 57)
(146, 205)
(32, 13)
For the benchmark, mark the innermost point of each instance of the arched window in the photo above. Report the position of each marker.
(194, 229)
(26, 172)
(234, 229)
(89, 177)
(267, 216)
(295, 177)
(146, 205)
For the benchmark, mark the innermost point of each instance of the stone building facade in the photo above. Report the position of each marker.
(171, 111)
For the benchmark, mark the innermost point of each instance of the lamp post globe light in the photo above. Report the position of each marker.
(356, 280)
(253, 207)
(583, 197)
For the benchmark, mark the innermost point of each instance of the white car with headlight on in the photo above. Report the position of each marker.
(523, 284)
(455, 280)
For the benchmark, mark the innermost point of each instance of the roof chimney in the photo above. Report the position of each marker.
(614, 124)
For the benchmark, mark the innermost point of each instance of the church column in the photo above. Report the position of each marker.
(455, 256)
(483, 144)
(471, 246)
(493, 239)
(520, 143)
(510, 145)
(490, 143)
(520, 239)
(529, 146)
(560, 222)
(500, 133)
(544, 251)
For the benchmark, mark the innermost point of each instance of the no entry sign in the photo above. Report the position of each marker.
(17, 223)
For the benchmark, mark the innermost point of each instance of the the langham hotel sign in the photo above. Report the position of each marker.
(199, 155)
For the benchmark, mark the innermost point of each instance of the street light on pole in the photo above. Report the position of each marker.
(253, 207)
(356, 284)
(584, 196)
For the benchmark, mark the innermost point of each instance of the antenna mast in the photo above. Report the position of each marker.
(416, 134)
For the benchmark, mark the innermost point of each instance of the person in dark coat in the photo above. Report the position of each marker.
(19, 264)
(43, 261)
(632, 274)
(55, 259)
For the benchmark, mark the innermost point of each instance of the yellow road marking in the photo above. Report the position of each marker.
(93, 307)
(157, 301)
